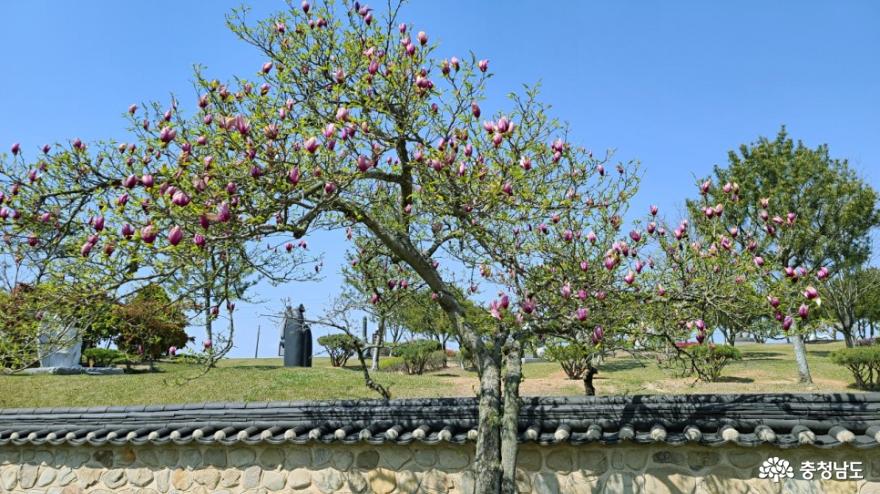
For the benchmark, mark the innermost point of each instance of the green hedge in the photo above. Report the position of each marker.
(103, 357)
(574, 357)
(706, 361)
(863, 362)
(415, 357)
(340, 347)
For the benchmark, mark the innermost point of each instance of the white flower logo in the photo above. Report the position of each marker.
(775, 469)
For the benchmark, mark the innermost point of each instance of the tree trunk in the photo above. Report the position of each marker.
(209, 327)
(848, 336)
(510, 419)
(589, 389)
(487, 460)
(800, 356)
(729, 336)
(380, 340)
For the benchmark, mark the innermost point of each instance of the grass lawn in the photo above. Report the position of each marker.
(764, 368)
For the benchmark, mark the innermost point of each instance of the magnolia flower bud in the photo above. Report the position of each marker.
(148, 234)
(199, 240)
(180, 198)
(598, 335)
(565, 290)
(175, 235)
(787, 322)
(223, 213)
(705, 186)
(811, 293)
(167, 134)
(293, 175)
(363, 163)
(483, 65)
(803, 311)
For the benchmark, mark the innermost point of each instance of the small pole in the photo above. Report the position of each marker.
(257, 350)
(364, 332)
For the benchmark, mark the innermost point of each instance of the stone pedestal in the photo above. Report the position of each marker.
(93, 371)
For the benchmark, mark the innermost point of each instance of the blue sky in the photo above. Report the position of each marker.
(674, 85)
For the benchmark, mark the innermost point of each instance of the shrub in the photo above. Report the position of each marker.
(575, 358)
(706, 361)
(103, 357)
(340, 347)
(148, 324)
(391, 364)
(863, 362)
(466, 359)
(421, 355)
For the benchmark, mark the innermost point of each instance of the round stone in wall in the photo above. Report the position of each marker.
(299, 478)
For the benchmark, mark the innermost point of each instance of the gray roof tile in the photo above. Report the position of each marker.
(783, 420)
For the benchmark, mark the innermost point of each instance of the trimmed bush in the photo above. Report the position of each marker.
(863, 362)
(391, 364)
(103, 357)
(575, 358)
(419, 356)
(706, 361)
(340, 347)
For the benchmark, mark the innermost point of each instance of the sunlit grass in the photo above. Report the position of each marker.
(765, 368)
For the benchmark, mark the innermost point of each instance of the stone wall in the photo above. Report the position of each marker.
(320, 468)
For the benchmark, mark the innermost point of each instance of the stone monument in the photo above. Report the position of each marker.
(296, 338)
(59, 349)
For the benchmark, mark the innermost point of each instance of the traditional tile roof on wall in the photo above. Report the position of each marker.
(783, 420)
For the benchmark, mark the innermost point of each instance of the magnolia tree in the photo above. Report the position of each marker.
(788, 289)
(809, 214)
(356, 122)
(381, 284)
(114, 218)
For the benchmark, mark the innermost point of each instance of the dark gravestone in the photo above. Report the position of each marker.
(297, 339)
